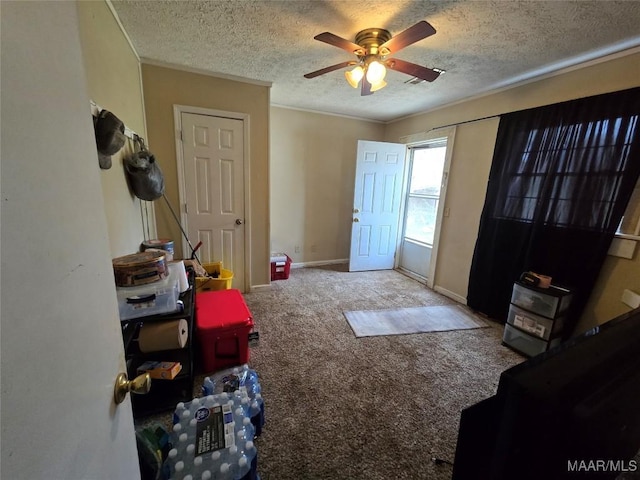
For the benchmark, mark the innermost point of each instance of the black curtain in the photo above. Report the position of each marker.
(559, 183)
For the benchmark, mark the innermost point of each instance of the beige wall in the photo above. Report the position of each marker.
(312, 180)
(471, 147)
(166, 87)
(471, 161)
(113, 81)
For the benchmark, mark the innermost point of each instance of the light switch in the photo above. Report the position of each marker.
(631, 298)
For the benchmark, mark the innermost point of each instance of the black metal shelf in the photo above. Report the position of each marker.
(164, 394)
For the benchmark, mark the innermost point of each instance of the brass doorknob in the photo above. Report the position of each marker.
(356, 220)
(140, 385)
(239, 221)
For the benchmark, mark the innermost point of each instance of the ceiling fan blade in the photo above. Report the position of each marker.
(322, 71)
(411, 35)
(339, 42)
(366, 87)
(412, 69)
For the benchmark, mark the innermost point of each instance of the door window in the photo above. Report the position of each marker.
(427, 165)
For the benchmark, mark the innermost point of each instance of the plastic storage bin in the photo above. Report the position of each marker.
(152, 299)
(280, 266)
(533, 324)
(526, 343)
(223, 324)
(548, 302)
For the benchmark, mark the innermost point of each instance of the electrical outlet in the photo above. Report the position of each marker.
(296, 249)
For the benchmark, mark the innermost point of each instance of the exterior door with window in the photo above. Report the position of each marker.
(376, 205)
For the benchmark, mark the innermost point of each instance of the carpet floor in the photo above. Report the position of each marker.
(376, 408)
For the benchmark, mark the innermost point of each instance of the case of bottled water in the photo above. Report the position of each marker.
(243, 379)
(212, 439)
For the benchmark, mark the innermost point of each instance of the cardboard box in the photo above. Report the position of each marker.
(160, 370)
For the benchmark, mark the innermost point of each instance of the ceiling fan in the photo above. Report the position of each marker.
(372, 47)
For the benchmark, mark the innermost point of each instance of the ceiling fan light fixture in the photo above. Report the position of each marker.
(354, 76)
(378, 86)
(375, 72)
(372, 46)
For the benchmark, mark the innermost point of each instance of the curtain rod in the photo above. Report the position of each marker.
(96, 109)
(466, 121)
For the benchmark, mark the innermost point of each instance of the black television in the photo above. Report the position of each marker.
(572, 412)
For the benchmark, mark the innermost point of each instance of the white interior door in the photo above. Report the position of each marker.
(213, 166)
(376, 205)
(61, 337)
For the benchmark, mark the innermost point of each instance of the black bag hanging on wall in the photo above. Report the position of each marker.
(144, 174)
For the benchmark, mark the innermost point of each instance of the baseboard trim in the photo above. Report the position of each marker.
(413, 276)
(256, 288)
(319, 263)
(450, 294)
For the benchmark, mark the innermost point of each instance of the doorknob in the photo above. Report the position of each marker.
(140, 385)
(239, 221)
(355, 210)
(356, 220)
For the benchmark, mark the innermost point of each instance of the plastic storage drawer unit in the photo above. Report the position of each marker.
(548, 302)
(526, 343)
(223, 324)
(536, 325)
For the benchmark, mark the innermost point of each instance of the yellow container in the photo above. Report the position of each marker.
(223, 282)
(212, 267)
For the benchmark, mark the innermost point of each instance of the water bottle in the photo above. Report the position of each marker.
(225, 472)
(191, 450)
(245, 403)
(246, 431)
(251, 380)
(185, 416)
(242, 468)
(169, 466)
(177, 414)
(251, 453)
(197, 467)
(215, 461)
(179, 469)
(256, 416)
(177, 430)
(173, 455)
(208, 386)
(183, 442)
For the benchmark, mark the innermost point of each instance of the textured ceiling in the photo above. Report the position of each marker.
(482, 45)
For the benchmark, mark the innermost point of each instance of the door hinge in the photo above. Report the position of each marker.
(181, 135)
(186, 208)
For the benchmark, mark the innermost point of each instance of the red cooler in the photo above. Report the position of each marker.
(223, 323)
